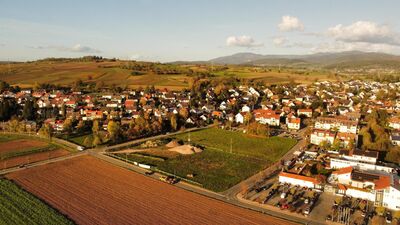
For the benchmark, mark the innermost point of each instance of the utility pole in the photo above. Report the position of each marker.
(231, 145)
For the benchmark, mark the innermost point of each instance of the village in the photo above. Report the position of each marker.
(351, 131)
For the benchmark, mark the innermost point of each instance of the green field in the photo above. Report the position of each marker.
(216, 168)
(270, 149)
(5, 137)
(20, 207)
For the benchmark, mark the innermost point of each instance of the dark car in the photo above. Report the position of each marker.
(388, 217)
(148, 173)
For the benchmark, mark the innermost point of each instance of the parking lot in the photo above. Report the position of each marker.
(294, 199)
(317, 205)
(348, 210)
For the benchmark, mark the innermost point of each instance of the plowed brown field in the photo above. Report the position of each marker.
(91, 191)
(20, 145)
(35, 157)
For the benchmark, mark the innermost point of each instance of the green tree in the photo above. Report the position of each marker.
(336, 144)
(28, 112)
(113, 129)
(46, 131)
(96, 127)
(88, 142)
(13, 125)
(67, 126)
(174, 122)
(97, 140)
(393, 155)
(184, 113)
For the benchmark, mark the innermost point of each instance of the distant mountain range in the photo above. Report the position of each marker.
(347, 59)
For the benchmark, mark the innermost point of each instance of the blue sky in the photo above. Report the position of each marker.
(168, 30)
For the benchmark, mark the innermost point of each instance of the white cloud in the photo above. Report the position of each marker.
(279, 41)
(83, 49)
(364, 31)
(285, 43)
(290, 23)
(242, 41)
(76, 48)
(340, 46)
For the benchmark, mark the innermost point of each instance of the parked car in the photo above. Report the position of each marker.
(388, 217)
(149, 173)
(328, 218)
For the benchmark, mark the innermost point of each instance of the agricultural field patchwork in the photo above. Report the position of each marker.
(114, 73)
(20, 207)
(90, 191)
(17, 150)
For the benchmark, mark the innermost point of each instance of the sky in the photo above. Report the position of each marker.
(171, 30)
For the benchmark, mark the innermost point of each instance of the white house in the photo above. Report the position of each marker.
(394, 123)
(300, 180)
(319, 136)
(245, 108)
(395, 138)
(267, 116)
(361, 156)
(334, 123)
(337, 163)
(382, 189)
(239, 118)
(347, 138)
(293, 123)
(305, 112)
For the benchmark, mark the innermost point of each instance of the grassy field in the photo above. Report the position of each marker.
(5, 137)
(20, 207)
(64, 73)
(79, 139)
(216, 168)
(270, 149)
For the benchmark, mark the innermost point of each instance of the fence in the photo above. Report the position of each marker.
(153, 168)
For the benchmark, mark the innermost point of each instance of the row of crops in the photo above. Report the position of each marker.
(20, 207)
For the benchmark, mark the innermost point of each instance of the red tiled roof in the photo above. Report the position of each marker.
(324, 132)
(382, 183)
(265, 113)
(344, 170)
(346, 136)
(294, 120)
(305, 110)
(342, 187)
(394, 120)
